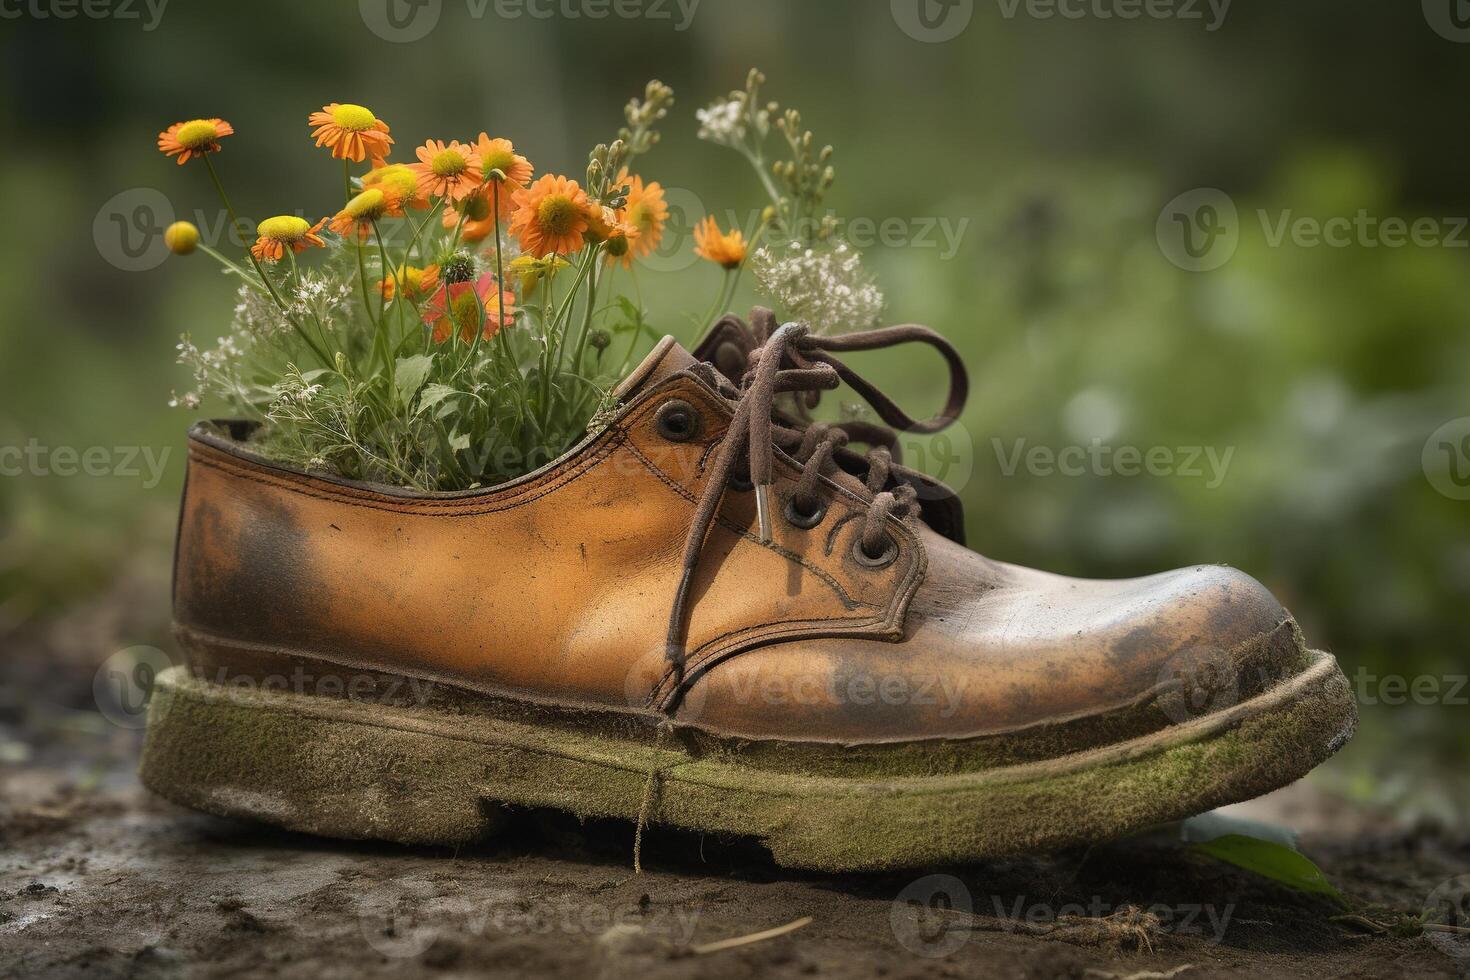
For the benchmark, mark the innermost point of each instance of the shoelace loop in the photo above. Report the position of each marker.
(794, 360)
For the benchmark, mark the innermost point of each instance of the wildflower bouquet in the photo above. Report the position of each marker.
(461, 321)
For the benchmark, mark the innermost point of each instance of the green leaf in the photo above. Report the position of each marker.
(433, 394)
(411, 373)
(1271, 860)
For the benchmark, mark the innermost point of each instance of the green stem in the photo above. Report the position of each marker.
(557, 328)
(714, 309)
(250, 280)
(265, 280)
(586, 323)
(235, 226)
(499, 268)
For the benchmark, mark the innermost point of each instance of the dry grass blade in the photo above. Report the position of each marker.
(754, 937)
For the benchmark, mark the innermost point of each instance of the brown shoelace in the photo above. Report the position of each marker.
(793, 360)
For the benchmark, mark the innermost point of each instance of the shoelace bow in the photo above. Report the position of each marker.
(794, 360)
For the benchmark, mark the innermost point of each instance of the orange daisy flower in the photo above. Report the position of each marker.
(478, 220)
(499, 154)
(646, 211)
(723, 249)
(193, 138)
(358, 216)
(605, 225)
(400, 179)
(451, 171)
(352, 131)
(282, 232)
(550, 217)
(415, 283)
(470, 307)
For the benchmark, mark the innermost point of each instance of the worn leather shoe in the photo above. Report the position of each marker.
(712, 614)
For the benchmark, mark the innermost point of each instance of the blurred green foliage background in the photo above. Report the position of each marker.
(1047, 147)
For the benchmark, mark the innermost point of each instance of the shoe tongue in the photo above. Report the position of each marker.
(666, 358)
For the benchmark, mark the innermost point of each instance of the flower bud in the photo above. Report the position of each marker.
(458, 267)
(181, 237)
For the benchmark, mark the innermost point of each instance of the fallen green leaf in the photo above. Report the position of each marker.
(1271, 860)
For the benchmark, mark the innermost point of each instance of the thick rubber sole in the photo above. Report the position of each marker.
(414, 775)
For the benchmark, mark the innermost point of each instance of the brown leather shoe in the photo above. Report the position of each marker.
(703, 617)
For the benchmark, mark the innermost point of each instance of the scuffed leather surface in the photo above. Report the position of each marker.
(991, 647)
(557, 585)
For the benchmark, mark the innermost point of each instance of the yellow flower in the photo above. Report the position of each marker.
(193, 138)
(282, 232)
(352, 131)
(529, 270)
(725, 250)
(181, 237)
(416, 283)
(399, 179)
(365, 209)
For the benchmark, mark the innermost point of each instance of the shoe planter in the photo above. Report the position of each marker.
(708, 615)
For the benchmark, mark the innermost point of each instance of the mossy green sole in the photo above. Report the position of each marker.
(341, 768)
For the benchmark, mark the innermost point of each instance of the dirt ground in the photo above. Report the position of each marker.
(100, 879)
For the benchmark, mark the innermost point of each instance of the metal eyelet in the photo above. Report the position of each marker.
(678, 421)
(882, 560)
(740, 482)
(805, 522)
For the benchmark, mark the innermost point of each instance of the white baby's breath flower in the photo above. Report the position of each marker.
(722, 122)
(257, 315)
(826, 286)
